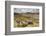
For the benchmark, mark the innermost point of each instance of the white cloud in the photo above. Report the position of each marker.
(24, 10)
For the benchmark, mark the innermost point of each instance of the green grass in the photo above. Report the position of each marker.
(23, 18)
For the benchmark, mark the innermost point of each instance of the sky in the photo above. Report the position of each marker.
(24, 10)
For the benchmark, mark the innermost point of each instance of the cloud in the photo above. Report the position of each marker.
(24, 10)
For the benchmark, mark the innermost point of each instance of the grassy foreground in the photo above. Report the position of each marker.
(25, 20)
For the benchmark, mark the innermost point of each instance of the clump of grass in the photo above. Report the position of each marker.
(23, 25)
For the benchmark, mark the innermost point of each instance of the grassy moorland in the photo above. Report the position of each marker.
(26, 19)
